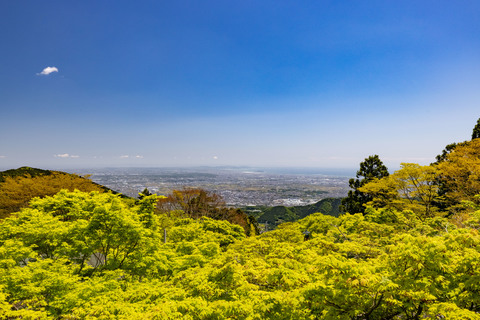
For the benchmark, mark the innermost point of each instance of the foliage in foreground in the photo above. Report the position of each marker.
(94, 255)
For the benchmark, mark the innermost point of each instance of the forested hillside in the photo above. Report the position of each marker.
(273, 216)
(19, 186)
(412, 253)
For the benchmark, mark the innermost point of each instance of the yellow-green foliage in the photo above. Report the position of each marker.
(460, 171)
(387, 264)
(413, 187)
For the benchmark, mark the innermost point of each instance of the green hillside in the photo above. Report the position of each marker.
(274, 216)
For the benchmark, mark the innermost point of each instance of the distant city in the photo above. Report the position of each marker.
(238, 186)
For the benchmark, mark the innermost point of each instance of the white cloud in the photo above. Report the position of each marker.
(3, 157)
(126, 156)
(63, 155)
(66, 155)
(215, 157)
(47, 71)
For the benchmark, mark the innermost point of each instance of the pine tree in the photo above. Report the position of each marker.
(476, 130)
(144, 193)
(370, 169)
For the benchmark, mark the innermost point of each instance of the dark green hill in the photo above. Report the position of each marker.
(328, 206)
(279, 214)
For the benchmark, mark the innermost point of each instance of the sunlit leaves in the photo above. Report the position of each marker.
(387, 264)
(460, 172)
(413, 187)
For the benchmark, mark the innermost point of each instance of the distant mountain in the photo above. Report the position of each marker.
(279, 214)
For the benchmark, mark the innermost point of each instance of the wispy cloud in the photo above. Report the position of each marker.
(66, 155)
(126, 156)
(47, 71)
(3, 157)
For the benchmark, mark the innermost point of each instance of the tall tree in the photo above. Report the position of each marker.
(370, 169)
(476, 130)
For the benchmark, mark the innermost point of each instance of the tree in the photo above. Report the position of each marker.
(460, 172)
(197, 203)
(370, 169)
(446, 151)
(413, 187)
(194, 202)
(476, 130)
(84, 224)
(450, 147)
(144, 193)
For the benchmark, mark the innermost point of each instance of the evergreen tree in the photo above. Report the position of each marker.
(476, 130)
(450, 147)
(144, 193)
(446, 151)
(370, 169)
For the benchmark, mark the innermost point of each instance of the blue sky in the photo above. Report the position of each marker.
(259, 83)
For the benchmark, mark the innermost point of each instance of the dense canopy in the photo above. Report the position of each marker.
(95, 255)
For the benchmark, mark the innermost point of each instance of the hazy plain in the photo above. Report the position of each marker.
(239, 186)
